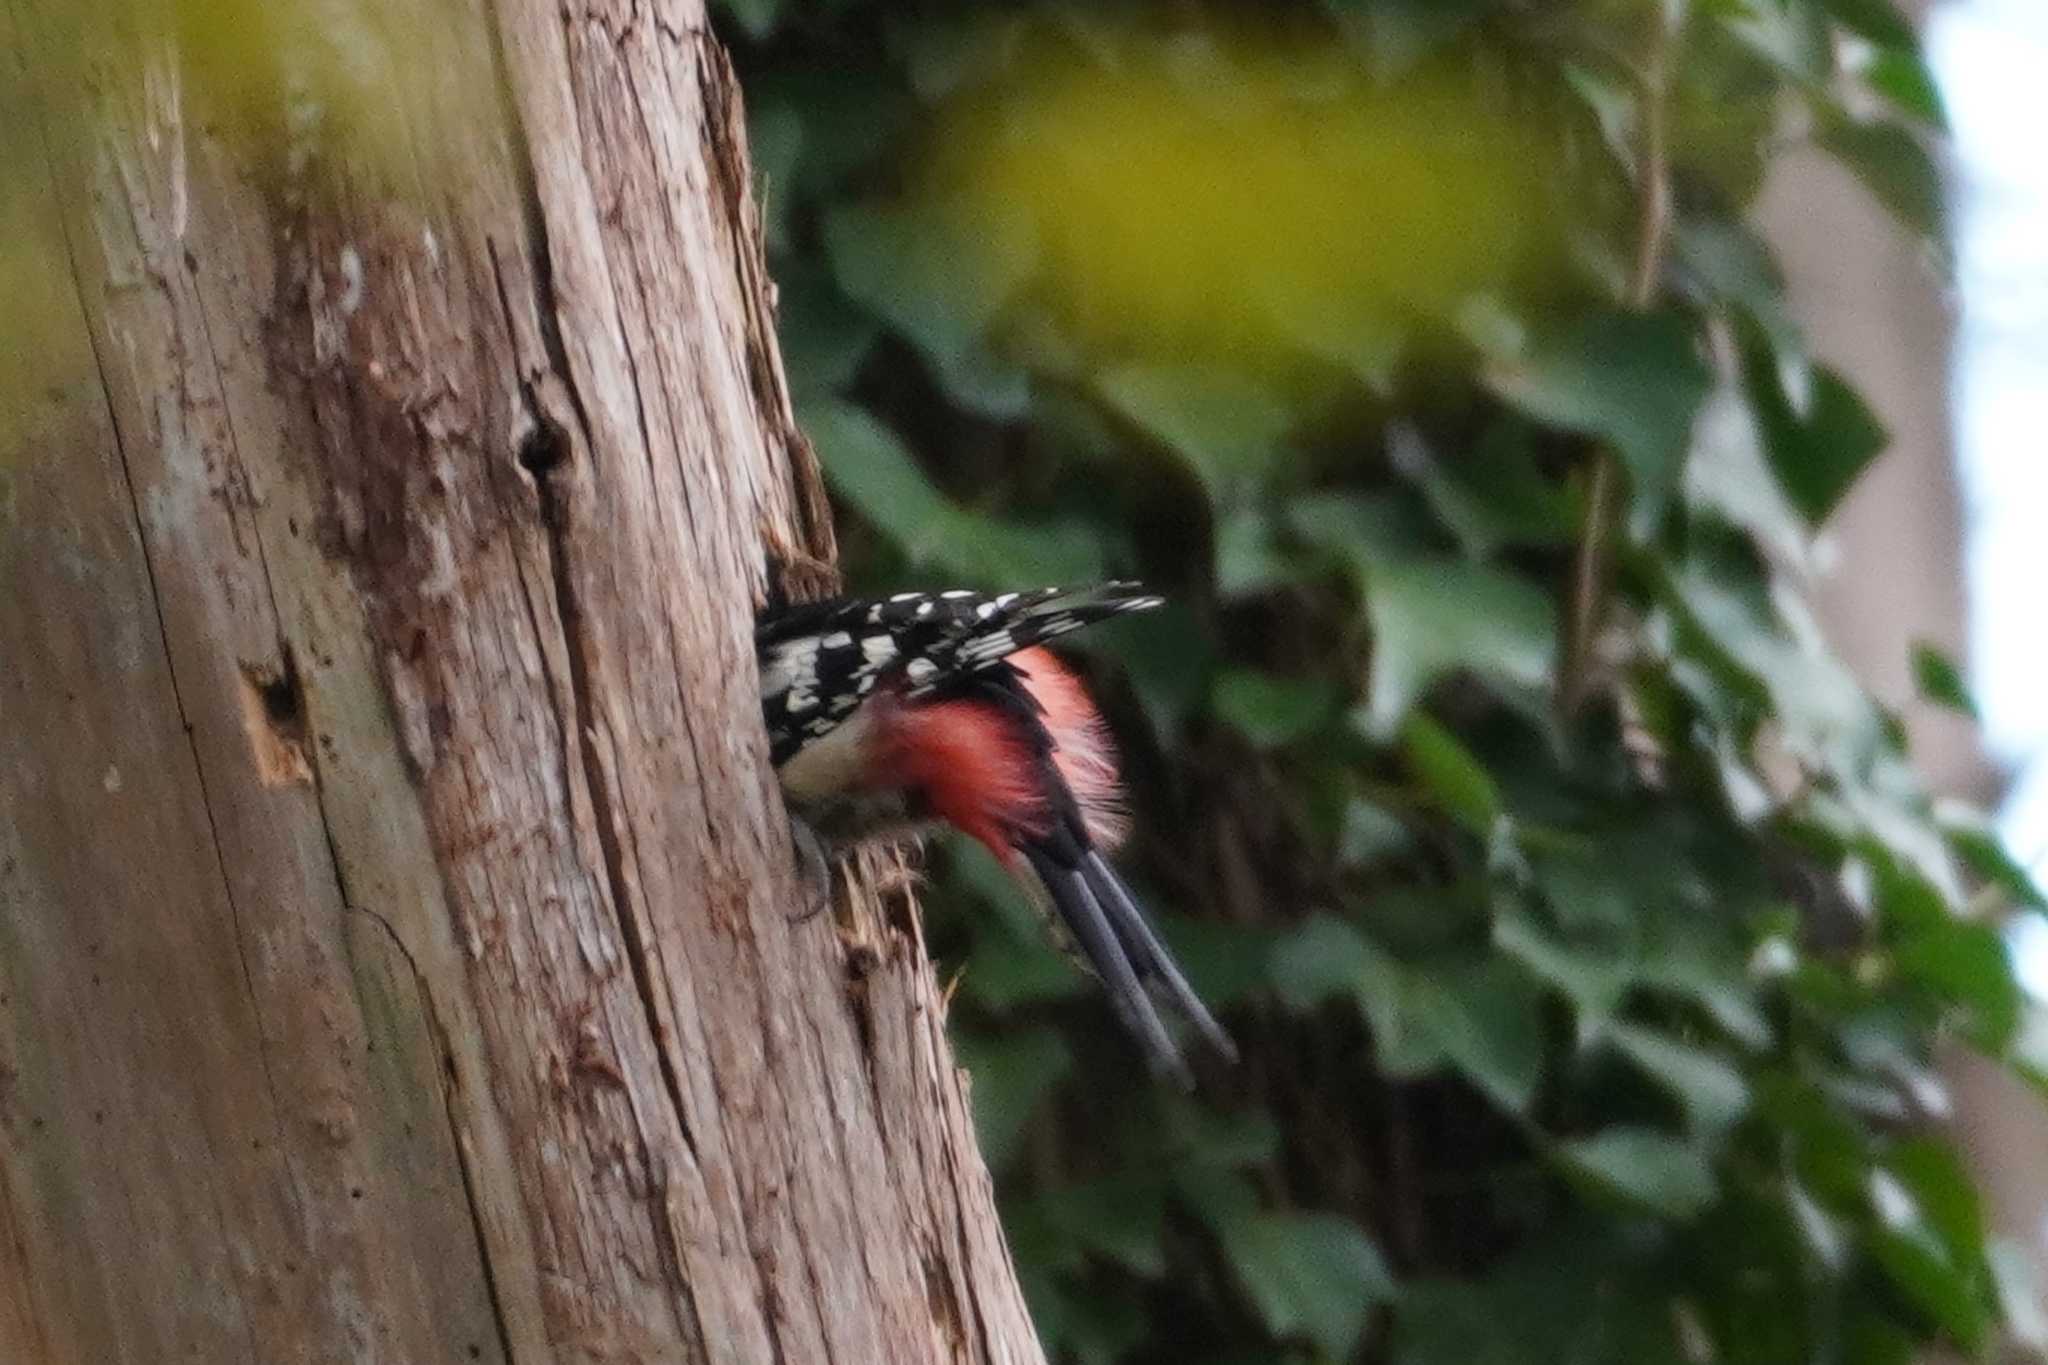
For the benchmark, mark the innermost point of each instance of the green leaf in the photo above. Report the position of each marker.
(1713, 1092)
(1361, 532)
(1729, 474)
(1013, 1073)
(757, 17)
(1896, 169)
(1247, 558)
(1488, 1021)
(1431, 615)
(1433, 618)
(1633, 380)
(1005, 973)
(1012, 962)
(1945, 1193)
(944, 53)
(1729, 263)
(1314, 1275)
(1904, 78)
(1448, 771)
(1200, 1136)
(1792, 37)
(870, 468)
(1872, 1337)
(1881, 21)
(1119, 1218)
(1971, 965)
(1594, 983)
(1171, 660)
(1715, 981)
(1483, 1017)
(1659, 1172)
(1940, 681)
(1343, 332)
(1492, 499)
(1272, 711)
(1326, 957)
(1078, 1323)
(1225, 427)
(1224, 962)
(940, 274)
(775, 137)
(1586, 895)
(1929, 1238)
(854, 117)
(1218, 1195)
(929, 272)
(824, 338)
(1611, 102)
(1821, 451)
(1975, 841)
(1370, 834)
(1566, 1292)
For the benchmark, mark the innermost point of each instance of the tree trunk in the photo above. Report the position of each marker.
(398, 958)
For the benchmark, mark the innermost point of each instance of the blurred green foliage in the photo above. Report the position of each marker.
(1590, 1031)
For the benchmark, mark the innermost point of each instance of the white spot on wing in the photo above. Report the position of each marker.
(837, 640)
(877, 650)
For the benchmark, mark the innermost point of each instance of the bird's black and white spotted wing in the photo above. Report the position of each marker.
(820, 660)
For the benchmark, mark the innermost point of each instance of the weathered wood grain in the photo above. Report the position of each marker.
(397, 955)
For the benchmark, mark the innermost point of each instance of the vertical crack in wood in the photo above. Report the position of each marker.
(451, 1083)
(546, 447)
(554, 519)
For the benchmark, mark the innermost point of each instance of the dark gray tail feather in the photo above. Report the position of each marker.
(1088, 922)
(1104, 920)
(1148, 956)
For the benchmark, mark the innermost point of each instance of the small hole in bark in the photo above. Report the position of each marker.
(280, 701)
(545, 446)
(273, 716)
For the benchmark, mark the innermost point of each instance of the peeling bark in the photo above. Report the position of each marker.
(397, 959)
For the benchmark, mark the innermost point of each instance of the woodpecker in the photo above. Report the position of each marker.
(888, 717)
